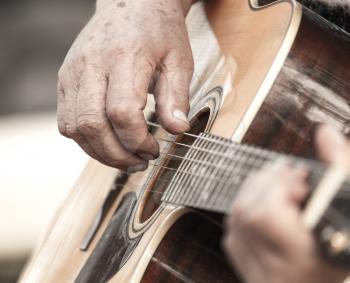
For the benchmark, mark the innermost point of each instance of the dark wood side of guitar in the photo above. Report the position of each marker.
(313, 87)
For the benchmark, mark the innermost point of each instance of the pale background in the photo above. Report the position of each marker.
(37, 166)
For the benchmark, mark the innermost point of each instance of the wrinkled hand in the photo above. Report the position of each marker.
(266, 240)
(128, 48)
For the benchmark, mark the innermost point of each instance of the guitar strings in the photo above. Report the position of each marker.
(213, 153)
(236, 172)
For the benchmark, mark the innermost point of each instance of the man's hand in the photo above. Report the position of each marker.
(266, 239)
(128, 48)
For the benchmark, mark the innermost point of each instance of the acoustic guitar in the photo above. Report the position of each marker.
(265, 77)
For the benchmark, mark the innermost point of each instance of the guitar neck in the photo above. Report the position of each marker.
(214, 169)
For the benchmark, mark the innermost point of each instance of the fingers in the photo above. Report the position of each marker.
(332, 146)
(172, 92)
(60, 109)
(66, 115)
(277, 183)
(290, 181)
(126, 100)
(93, 125)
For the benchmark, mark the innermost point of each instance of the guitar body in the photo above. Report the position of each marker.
(289, 71)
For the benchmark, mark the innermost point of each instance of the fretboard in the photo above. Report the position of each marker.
(214, 169)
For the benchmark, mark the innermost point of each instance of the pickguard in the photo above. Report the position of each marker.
(114, 248)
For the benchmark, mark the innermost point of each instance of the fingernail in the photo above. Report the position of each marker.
(147, 156)
(137, 168)
(181, 116)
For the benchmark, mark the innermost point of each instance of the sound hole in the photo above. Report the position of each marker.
(164, 175)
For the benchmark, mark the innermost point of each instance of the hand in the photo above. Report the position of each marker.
(266, 240)
(127, 49)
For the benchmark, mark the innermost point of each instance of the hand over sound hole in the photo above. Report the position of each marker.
(127, 49)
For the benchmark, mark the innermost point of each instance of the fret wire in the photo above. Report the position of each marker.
(189, 182)
(160, 163)
(195, 183)
(247, 160)
(182, 171)
(222, 186)
(236, 168)
(192, 184)
(184, 167)
(218, 187)
(231, 186)
(227, 203)
(227, 178)
(208, 186)
(187, 188)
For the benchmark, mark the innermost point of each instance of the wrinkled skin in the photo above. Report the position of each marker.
(266, 239)
(127, 49)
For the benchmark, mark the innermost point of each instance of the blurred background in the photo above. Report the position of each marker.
(37, 166)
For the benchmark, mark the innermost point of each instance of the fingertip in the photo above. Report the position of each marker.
(330, 143)
(329, 133)
(182, 124)
(175, 122)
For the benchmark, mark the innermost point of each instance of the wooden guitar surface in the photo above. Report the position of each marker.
(285, 71)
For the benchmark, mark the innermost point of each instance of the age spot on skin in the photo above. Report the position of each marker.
(108, 24)
(121, 4)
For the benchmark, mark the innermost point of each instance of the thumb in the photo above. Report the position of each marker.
(172, 94)
(332, 146)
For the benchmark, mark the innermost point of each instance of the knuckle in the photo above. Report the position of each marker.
(257, 220)
(71, 131)
(247, 218)
(89, 124)
(64, 77)
(119, 113)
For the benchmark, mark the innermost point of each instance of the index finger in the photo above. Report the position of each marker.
(126, 100)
